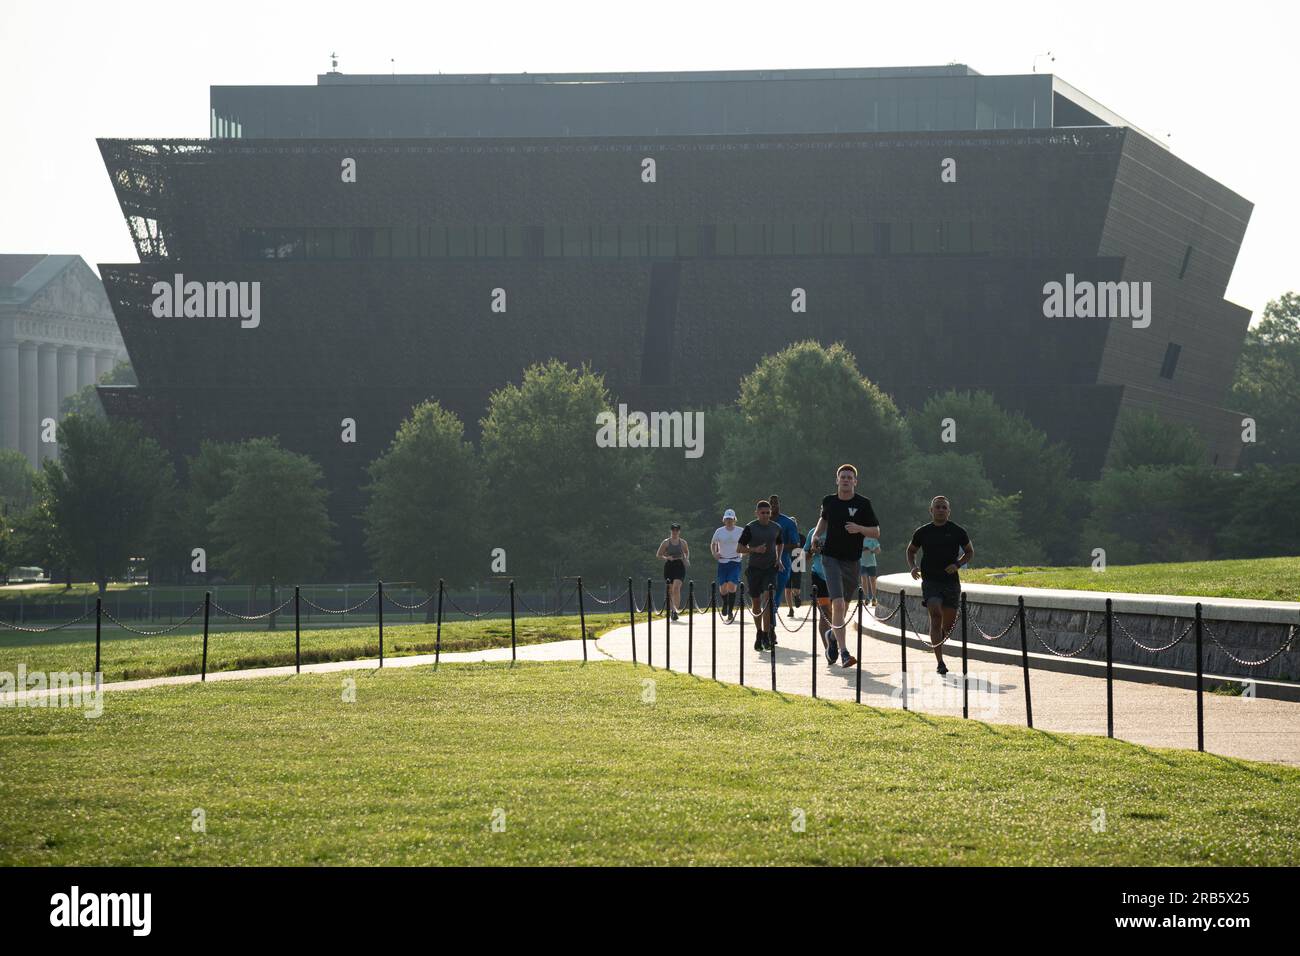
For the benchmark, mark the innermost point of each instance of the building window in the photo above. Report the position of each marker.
(1171, 360)
(1187, 257)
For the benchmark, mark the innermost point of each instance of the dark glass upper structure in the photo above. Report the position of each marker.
(378, 293)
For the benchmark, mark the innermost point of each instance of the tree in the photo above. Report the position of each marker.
(1016, 456)
(85, 400)
(1267, 385)
(272, 526)
(558, 503)
(102, 493)
(426, 493)
(17, 483)
(1001, 542)
(802, 413)
(1265, 519)
(210, 476)
(1152, 514)
(1144, 438)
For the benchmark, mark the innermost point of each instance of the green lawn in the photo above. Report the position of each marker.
(1266, 579)
(125, 656)
(582, 768)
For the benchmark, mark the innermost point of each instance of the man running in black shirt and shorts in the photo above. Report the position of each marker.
(945, 547)
(847, 519)
(761, 540)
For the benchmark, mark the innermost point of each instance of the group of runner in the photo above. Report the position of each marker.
(843, 547)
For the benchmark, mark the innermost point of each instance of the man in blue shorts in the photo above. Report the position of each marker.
(724, 551)
(789, 542)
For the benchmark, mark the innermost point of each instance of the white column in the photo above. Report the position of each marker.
(48, 387)
(67, 372)
(29, 423)
(10, 410)
(103, 363)
(85, 367)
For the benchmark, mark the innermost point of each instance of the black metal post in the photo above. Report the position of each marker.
(379, 603)
(512, 622)
(744, 612)
(902, 637)
(1110, 676)
(99, 614)
(631, 616)
(690, 626)
(713, 622)
(902, 643)
(297, 629)
(582, 619)
(771, 609)
(816, 633)
(965, 685)
(1200, 681)
(1024, 662)
(668, 625)
(207, 608)
(857, 693)
(437, 638)
(649, 626)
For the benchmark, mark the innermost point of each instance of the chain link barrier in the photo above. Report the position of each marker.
(519, 601)
(45, 630)
(166, 630)
(325, 610)
(614, 600)
(1051, 650)
(1155, 650)
(1290, 636)
(409, 607)
(477, 614)
(254, 617)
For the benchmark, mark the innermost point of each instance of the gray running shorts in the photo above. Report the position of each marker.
(841, 578)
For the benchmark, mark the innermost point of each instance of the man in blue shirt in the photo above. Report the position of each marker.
(790, 540)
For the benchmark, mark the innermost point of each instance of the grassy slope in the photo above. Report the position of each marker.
(125, 656)
(1266, 579)
(586, 771)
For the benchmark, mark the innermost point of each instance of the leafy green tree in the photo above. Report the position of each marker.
(802, 413)
(272, 526)
(210, 475)
(1017, 458)
(423, 519)
(1001, 541)
(17, 482)
(1144, 438)
(102, 493)
(1154, 514)
(1267, 385)
(558, 503)
(85, 401)
(1265, 520)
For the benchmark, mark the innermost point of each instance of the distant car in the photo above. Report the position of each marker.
(27, 575)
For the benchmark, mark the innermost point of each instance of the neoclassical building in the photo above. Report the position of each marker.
(57, 334)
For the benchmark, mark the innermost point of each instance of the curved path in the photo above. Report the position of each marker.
(1145, 713)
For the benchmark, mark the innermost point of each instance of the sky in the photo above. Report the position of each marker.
(1217, 79)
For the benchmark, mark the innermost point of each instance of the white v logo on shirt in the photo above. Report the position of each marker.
(852, 512)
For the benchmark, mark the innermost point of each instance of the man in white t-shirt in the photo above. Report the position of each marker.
(724, 551)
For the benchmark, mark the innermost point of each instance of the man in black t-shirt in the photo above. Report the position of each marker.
(846, 519)
(762, 541)
(945, 547)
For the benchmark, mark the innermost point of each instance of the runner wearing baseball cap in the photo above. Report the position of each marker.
(723, 546)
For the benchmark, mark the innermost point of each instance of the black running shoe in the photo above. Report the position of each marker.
(942, 668)
(758, 642)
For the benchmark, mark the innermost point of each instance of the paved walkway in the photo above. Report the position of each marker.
(1147, 714)
(550, 651)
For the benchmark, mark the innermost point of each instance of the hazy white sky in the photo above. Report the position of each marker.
(1219, 76)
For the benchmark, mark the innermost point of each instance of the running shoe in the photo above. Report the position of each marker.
(848, 660)
(674, 615)
(832, 648)
(942, 668)
(758, 642)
